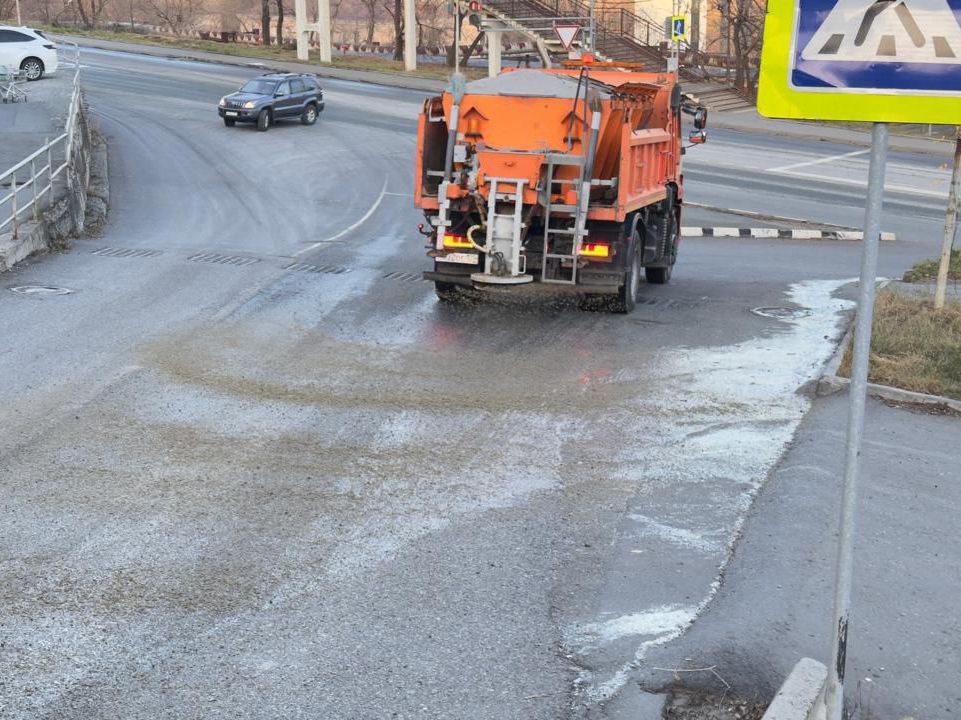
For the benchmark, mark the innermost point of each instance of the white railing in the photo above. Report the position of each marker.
(32, 180)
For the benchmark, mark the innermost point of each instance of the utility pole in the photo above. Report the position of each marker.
(410, 36)
(19, 21)
(304, 28)
(950, 222)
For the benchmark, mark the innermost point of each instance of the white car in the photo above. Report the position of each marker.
(27, 50)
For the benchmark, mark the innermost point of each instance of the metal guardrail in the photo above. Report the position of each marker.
(33, 178)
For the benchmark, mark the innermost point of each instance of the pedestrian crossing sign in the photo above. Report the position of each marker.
(678, 27)
(869, 60)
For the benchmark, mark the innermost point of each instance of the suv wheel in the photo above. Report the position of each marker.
(32, 68)
(263, 120)
(309, 115)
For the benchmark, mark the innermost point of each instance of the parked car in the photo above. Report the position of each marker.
(28, 51)
(272, 97)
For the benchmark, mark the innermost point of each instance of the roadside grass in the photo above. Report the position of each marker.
(914, 346)
(272, 52)
(928, 269)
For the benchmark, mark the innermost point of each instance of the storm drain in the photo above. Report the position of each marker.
(40, 290)
(126, 252)
(782, 312)
(216, 258)
(404, 276)
(326, 269)
(672, 303)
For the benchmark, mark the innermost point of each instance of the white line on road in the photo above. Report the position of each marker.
(863, 183)
(365, 218)
(819, 161)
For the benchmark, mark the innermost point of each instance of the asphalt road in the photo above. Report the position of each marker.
(293, 485)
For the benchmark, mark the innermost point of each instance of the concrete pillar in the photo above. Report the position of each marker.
(323, 29)
(300, 22)
(493, 53)
(410, 36)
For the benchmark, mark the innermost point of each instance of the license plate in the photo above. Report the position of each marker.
(231, 114)
(462, 258)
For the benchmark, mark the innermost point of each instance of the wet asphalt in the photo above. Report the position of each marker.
(256, 470)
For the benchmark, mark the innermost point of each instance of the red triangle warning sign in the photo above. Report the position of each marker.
(567, 34)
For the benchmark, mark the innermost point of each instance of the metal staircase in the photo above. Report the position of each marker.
(620, 34)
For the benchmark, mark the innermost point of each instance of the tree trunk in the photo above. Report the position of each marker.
(265, 22)
(84, 19)
(455, 46)
(399, 29)
(472, 48)
(280, 22)
(371, 26)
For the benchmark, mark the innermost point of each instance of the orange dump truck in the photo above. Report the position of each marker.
(559, 178)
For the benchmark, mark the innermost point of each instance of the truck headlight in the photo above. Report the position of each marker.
(250, 104)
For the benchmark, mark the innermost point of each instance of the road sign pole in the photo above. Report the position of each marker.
(949, 224)
(834, 694)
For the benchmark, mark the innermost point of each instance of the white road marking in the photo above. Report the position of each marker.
(819, 161)
(350, 228)
(862, 183)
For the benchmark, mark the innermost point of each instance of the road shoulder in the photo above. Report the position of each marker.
(774, 604)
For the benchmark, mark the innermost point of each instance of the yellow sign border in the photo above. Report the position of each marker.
(687, 23)
(777, 99)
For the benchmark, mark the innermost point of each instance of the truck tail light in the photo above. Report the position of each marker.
(458, 242)
(595, 250)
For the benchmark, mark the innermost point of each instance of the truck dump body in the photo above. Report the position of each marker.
(557, 176)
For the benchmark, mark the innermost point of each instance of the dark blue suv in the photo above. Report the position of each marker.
(269, 98)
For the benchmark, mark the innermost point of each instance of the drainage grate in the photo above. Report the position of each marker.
(40, 290)
(126, 252)
(675, 303)
(327, 269)
(782, 313)
(238, 260)
(404, 276)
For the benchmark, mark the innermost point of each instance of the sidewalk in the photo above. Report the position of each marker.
(743, 120)
(774, 605)
(260, 64)
(750, 122)
(25, 126)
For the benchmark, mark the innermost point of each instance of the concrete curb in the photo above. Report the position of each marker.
(262, 65)
(800, 697)
(831, 383)
(779, 233)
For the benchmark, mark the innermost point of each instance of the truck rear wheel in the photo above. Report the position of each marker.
(658, 275)
(627, 294)
(446, 292)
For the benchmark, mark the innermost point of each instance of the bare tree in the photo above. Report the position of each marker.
(743, 21)
(6, 8)
(265, 22)
(280, 22)
(371, 7)
(177, 15)
(89, 11)
(396, 13)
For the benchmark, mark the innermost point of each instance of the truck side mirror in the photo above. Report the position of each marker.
(697, 137)
(700, 118)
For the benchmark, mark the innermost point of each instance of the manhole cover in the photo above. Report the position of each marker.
(782, 313)
(41, 290)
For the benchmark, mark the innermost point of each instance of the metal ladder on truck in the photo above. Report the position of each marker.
(562, 245)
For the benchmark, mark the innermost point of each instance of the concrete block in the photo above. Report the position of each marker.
(31, 238)
(800, 696)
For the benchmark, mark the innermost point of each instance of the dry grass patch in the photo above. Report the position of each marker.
(928, 269)
(350, 62)
(914, 346)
